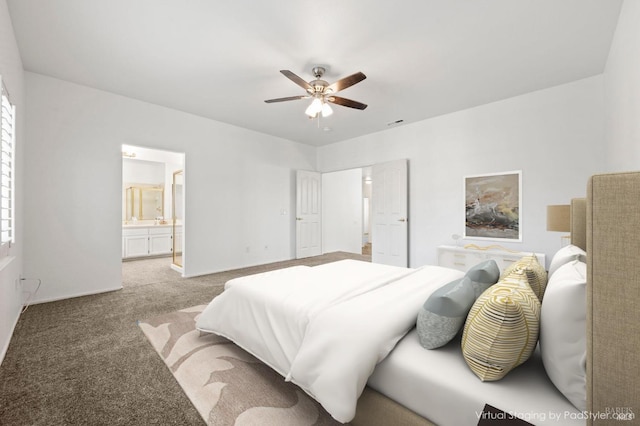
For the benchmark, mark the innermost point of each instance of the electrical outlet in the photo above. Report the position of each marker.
(20, 281)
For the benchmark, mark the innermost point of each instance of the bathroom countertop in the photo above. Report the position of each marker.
(146, 225)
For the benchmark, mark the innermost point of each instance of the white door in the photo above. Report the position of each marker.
(308, 217)
(390, 221)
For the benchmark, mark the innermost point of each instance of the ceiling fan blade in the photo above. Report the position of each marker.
(297, 80)
(343, 83)
(346, 102)
(290, 98)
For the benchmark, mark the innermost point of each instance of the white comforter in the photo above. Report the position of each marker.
(326, 327)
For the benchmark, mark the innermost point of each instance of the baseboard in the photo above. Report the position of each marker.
(74, 295)
(154, 256)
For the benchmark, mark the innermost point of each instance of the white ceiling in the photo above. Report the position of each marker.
(221, 59)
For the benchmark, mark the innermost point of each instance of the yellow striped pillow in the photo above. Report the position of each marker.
(533, 270)
(501, 330)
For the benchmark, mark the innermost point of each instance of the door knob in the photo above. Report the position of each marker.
(402, 220)
(298, 218)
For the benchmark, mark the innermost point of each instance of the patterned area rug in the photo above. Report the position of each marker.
(227, 385)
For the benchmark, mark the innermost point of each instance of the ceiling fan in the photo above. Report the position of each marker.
(322, 92)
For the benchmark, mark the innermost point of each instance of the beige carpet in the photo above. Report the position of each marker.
(227, 385)
(156, 270)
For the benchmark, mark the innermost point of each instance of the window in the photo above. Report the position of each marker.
(7, 149)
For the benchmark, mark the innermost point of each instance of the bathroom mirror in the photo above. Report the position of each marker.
(144, 202)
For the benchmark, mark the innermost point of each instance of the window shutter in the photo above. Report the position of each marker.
(7, 149)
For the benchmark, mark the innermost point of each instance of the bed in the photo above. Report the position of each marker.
(325, 327)
(393, 379)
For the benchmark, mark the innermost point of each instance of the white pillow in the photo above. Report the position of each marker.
(563, 334)
(565, 255)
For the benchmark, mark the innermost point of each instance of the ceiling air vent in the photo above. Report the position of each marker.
(395, 123)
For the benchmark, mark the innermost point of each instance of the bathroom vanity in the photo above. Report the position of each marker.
(146, 240)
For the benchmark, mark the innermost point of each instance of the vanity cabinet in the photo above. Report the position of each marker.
(464, 258)
(144, 241)
(160, 241)
(135, 245)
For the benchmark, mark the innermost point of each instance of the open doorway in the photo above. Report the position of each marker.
(148, 204)
(342, 211)
(347, 211)
(365, 210)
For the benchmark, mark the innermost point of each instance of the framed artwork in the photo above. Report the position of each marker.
(493, 203)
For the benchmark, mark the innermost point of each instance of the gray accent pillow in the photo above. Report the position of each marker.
(443, 314)
(483, 276)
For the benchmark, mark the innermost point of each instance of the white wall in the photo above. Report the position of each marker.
(237, 183)
(342, 211)
(141, 171)
(622, 82)
(11, 265)
(554, 136)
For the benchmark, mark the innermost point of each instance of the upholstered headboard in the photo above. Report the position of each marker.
(613, 296)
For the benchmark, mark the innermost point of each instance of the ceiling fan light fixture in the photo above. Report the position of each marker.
(322, 92)
(326, 110)
(314, 108)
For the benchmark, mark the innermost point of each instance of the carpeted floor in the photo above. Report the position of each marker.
(85, 361)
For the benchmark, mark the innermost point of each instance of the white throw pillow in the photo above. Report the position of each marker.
(563, 334)
(565, 255)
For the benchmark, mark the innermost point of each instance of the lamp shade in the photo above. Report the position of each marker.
(559, 218)
(326, 110)
(314, 108)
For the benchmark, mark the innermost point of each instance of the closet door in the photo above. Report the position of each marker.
(308, 214)
(390, 220)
